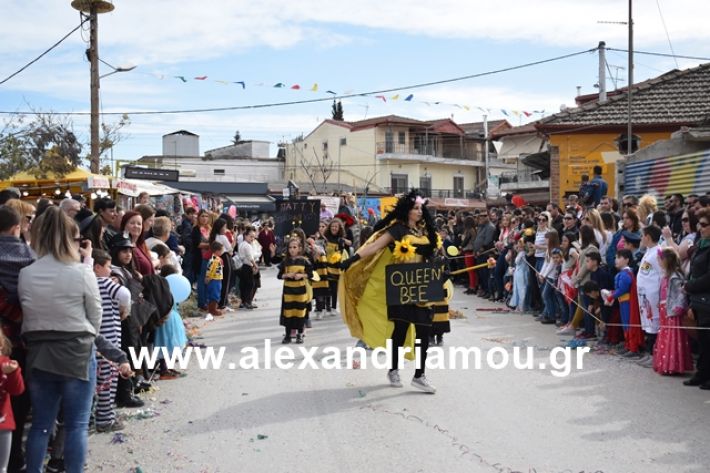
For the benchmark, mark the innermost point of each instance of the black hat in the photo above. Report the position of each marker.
(631, 237)
(121, 241)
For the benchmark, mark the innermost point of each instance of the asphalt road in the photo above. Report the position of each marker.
(610, 416)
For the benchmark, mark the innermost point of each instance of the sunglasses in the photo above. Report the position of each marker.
(703, 224)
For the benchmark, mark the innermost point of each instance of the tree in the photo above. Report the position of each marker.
(110, 136)
(318, 170)
(337, 111)
(43, 145)
(237, 140)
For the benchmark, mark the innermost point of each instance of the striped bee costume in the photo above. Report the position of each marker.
(321, 289)
(296, 298)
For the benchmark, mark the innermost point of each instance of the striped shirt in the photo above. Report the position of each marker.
(113, 295)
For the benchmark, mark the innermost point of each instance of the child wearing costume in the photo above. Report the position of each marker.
(294, 270)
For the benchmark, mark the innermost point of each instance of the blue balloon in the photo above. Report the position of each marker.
(180, 287)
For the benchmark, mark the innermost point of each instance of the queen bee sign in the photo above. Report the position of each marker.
(414, 283)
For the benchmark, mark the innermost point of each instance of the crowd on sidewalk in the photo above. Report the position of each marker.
(79, 288)
(629, 277)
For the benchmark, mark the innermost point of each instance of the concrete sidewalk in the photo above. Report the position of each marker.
(611, 416)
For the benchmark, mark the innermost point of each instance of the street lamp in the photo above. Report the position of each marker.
(93, 8)
(116, 69)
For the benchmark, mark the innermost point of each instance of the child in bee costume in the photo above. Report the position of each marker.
(321, 288)
(295, 271)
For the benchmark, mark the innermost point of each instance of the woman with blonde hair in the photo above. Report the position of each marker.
(647, 207)
(61, 307)
(594, 219)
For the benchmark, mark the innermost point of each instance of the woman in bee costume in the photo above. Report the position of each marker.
(406, 235)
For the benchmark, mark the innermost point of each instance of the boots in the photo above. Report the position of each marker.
(214, 309)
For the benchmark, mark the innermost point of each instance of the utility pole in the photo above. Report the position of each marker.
(485, 152)
(602, 72)
(629, 140)
(93, 8)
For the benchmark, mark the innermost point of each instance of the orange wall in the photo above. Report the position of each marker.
(579, 153)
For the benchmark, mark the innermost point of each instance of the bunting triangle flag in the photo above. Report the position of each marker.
(225, 82)
(395, 97)
(182, 78)
(384, 99)
(504, 112)
(296, 87)
(314, 88)
(244, 86)
(200, 77)
(330, 92)
(527, 114)
(467, 108)
(409, 98)
(279, 85)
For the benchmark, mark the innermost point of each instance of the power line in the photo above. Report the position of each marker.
(45, 52)
(663, 20)
(648, 53)
(329, 99)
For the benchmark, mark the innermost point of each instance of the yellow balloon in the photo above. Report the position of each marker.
(452, 251)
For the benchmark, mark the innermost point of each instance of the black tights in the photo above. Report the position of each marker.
(399, 334)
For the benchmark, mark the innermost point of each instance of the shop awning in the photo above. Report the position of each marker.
(455, 203)
(258, 203)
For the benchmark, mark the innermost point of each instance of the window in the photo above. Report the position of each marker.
(401, 138)
(389, 142)
(218, 172)
(425, 185)
(399, 183)
(325, 150)
(458, 186)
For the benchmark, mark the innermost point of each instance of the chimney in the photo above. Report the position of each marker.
(602, 72)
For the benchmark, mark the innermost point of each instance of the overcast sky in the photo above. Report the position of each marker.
(342, 46)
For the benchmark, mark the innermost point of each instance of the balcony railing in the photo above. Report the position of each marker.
(439, 193)
(385, 147)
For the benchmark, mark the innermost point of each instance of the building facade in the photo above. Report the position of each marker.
(388, 155)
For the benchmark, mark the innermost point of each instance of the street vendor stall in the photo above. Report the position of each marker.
(161, 196)
(78, 182)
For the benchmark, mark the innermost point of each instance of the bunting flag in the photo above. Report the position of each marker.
(397, 97)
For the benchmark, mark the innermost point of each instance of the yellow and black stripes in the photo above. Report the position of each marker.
(296, 295)
(321, 267)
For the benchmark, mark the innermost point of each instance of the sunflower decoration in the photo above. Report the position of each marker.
(335, 258)
(404, 250)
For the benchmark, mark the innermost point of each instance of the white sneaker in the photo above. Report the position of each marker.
(319, 314)
(566, 331)
(394, 379)
(423, 384)
(333, 313)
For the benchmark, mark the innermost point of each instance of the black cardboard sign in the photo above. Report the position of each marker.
(415, 283)
(297, 213)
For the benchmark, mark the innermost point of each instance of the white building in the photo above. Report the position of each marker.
(247, 161)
